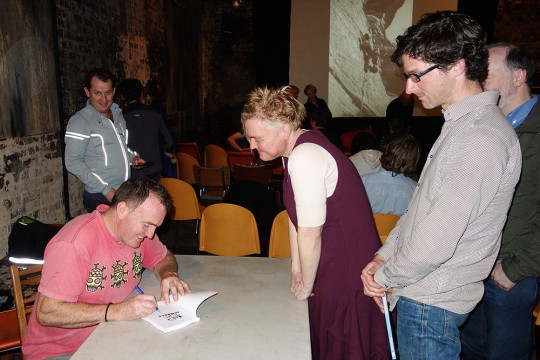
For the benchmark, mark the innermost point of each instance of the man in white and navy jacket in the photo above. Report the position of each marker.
(96, 142)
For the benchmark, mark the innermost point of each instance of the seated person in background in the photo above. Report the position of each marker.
(390, 189)
(238, 142)
(319, 121)
(313, 103)
(366, 157)
(93, 265)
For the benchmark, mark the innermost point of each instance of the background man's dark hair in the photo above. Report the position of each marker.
(517, 59)
(401, 155)
(130, 89)
(443, 38)
(320, 118)
(363, 141)
(102, 74)
(136, 190)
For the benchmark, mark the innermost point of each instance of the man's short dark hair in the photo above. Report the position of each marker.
(443, 38)
(135, 191)
(130, 89)
(517, 59)
(363, 141)
(102, 74)
(320, 117)
(401, 155)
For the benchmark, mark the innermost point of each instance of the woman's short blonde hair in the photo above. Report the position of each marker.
(274, 106)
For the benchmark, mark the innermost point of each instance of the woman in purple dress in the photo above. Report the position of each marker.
(333, 235)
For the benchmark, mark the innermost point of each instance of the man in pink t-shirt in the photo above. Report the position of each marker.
(94, 264)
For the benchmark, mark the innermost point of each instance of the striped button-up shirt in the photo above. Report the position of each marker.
(447, 241)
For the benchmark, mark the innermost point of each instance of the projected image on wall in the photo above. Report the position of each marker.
(362, 78)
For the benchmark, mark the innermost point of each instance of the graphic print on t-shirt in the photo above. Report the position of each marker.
(137, 265)
(118, 274)
(95, 279)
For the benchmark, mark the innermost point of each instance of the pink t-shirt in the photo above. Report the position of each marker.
(84, 263)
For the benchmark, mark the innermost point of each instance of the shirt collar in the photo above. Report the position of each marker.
(517, 116)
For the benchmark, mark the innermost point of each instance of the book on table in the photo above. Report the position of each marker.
(178, 314)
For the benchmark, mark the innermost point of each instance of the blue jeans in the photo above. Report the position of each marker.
(426, 332)
(501, 326)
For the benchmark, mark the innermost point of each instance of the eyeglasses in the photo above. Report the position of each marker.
(416, 77)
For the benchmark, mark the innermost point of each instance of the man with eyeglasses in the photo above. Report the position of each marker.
(435, 259)
(500, 327)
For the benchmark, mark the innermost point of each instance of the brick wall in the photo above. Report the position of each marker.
(31, 181)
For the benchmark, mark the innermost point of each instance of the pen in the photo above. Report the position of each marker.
(139, 290)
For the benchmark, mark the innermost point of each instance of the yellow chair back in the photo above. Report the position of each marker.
(229, 230)
(184, 167)
(279, 237)
(385, 223)
(215, 156)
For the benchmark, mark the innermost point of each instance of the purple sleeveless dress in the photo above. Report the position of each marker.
(344, 323)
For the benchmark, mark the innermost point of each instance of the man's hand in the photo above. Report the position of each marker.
(371, 287)
(133, 308)
(499, 277)
(137, 162)
(110, 194)
(172, 284)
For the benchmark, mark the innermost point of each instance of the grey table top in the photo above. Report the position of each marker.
(253, 316)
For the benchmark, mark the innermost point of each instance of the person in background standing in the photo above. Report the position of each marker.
(500, 327)
(96, 142)
(313, 103)
(332, 231)
(148, 134)
(434, 261)
(295, 91)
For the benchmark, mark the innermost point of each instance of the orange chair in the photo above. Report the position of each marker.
(239, 157)
(229, 230)
(385, 223)
(215, 156)
(184, 167)
(279, 237)
(190, 148)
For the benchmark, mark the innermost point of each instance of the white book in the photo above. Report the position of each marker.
(178, 314)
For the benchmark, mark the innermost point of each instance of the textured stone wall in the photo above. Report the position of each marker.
(31, 181)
